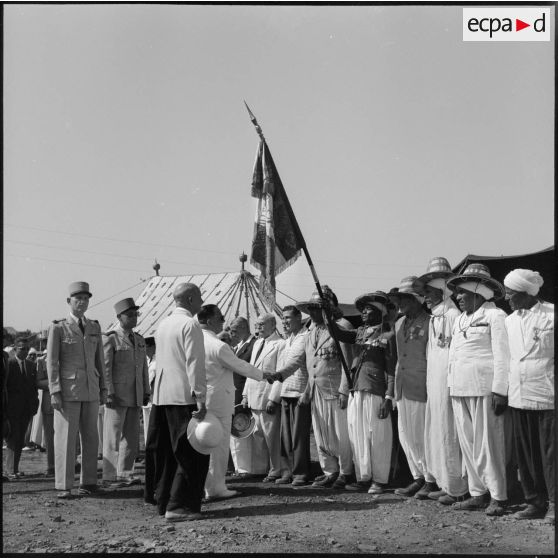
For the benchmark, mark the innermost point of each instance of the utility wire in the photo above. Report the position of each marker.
(141, 258)
(75, 263)
(141, 242)
(119, 292)
(284, 294)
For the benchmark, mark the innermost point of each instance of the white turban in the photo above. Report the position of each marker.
(524, 281)
(478, 288)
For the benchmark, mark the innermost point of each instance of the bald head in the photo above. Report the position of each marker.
(188, 296)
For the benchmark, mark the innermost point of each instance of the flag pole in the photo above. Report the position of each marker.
(298, 233)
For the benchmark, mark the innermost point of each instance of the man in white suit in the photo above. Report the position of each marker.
(266, 439)
(220, 363)
(179, 393)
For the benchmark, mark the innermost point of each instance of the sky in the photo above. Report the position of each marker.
(126, 140)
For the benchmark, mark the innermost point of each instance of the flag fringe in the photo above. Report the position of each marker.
(287, 264)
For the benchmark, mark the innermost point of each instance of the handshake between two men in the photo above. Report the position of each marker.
(272, 377)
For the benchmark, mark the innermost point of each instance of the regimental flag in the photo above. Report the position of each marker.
(277, 239)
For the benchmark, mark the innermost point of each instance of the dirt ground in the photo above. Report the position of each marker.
(270, 519)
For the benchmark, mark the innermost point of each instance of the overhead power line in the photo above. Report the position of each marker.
(119, 292)
(74, 263)
(126, 241)
(182, 247)
(140, 258)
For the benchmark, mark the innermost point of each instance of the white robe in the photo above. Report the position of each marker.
(441, 444)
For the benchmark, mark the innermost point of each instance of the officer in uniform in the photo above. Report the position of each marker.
(127, 384)
(76, 370)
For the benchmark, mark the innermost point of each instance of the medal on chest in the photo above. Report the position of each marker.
(443, 341)
(536, 334)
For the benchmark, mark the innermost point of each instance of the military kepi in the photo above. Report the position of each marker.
(79, 287)
(125, 304)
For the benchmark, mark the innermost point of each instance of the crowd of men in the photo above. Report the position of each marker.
(472, 389)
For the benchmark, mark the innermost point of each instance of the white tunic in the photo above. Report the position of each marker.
(479, 354)
(531, 340)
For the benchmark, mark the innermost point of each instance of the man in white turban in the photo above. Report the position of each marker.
(531, 390)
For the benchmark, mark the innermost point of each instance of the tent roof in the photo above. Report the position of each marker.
(543, 261)
(236, 294)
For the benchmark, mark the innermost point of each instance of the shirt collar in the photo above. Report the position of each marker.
(301, 331)
(209, 332)
(180, 310)
(76, 320)
(536, 308)
(442, 307)
(242, 343)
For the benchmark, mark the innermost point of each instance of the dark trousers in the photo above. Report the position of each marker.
(155, 460)
(177, 470)
(239, 382)
(296, 421)
(534, 442)
(48, 431)
(15, 441)
(400, 474)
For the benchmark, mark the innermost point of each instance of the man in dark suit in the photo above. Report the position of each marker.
(243, 343)
(22, 403)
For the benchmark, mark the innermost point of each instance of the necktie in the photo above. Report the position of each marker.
(131, 338)
(80, 324)
(22, 367)
(260, 350)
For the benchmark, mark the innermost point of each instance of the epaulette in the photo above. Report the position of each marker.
(111, 332)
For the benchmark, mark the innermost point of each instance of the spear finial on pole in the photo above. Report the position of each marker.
(254, 121)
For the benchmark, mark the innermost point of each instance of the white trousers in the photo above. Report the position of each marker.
(218, 460)
(371, 437)
(120, 442)
(410, 425)
(329, 422)
(441, 444)
(481, 437)
(267, 438)
(73, 417)
(248, 458)
(37, 436)
(261, 452)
